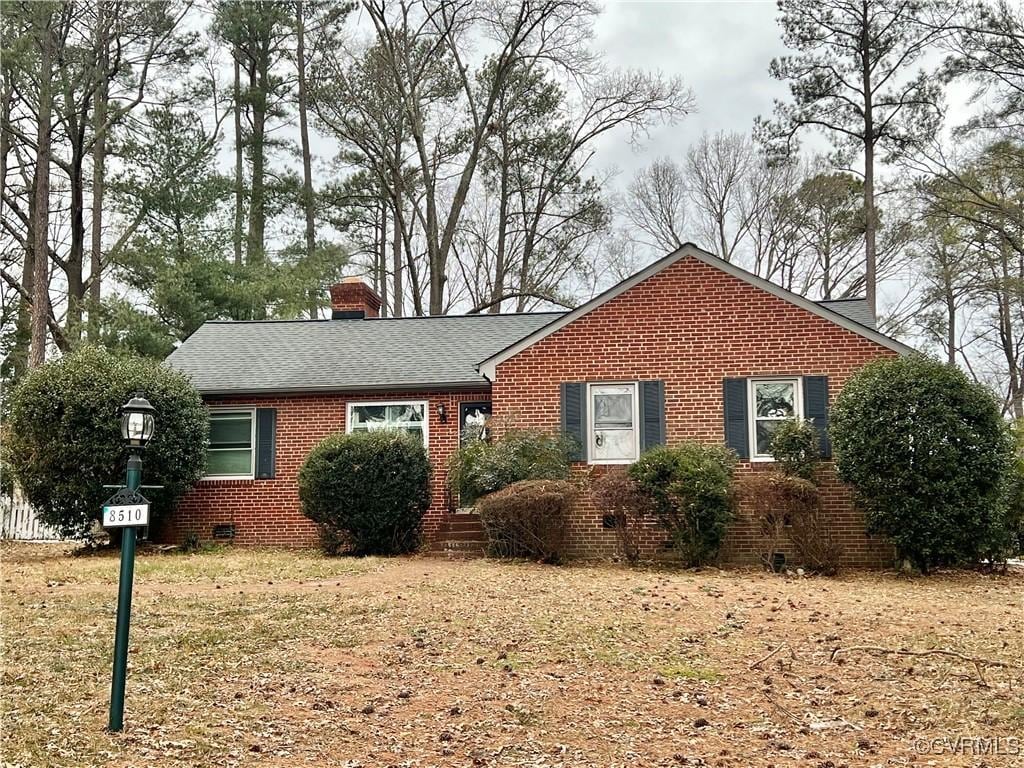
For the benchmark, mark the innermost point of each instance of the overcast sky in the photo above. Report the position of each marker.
(722, 51)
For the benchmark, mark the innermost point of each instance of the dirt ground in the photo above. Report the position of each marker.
(269, 658)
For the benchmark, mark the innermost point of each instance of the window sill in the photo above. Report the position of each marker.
(610, 462)
(226, 478)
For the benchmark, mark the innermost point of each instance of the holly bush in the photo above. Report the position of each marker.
(63, 435)
(794, 446)
(927, 453)
(690, 488)
(367, 490)
(480, 467)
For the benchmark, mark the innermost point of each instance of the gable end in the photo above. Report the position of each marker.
(489, 366)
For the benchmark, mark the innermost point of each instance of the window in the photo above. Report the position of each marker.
(771, 402)
(613, 415)
(409, 417)
(232, 437)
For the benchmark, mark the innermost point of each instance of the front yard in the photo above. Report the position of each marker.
(283, 659)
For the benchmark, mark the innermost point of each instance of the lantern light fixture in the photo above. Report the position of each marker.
(442, 413)
(137, 422)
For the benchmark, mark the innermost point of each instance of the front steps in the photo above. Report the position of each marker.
(461, 535)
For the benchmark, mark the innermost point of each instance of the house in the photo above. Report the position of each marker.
(692, 347)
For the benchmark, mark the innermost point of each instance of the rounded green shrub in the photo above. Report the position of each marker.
(367, 491)
(927, 453)
(480, 467)
(794, 446)
(63, 435)
(690, 490)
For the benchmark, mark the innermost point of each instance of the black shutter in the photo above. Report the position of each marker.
(266, 442)
(816, 410)
(574, 417)
(652, 414)
(737, 433)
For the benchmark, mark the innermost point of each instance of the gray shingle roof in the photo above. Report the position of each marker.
(852, 309)
(224, 357)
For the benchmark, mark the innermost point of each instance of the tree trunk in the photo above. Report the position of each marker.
(380, 276)
(498, 287)
(5, 134)
(871, 220)
(41, 206)
(257, 216)
(99, 159)
(397, 308)
(75, 268)
(23, 321)
(239, 185)
(307, 161)
(950, 317)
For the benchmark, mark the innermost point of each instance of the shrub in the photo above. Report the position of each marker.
(775, 500)
(367, 490)
(1006, 539)
(1015, 493)
(794, 446)
(812, 538)
(63, 436)
(926, 452)
(615, 493)
(528, 519)
(689, 488)
(480, 467)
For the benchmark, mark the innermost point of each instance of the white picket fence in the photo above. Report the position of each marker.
(18, 521)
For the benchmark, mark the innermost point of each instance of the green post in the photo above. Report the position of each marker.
(124, 604)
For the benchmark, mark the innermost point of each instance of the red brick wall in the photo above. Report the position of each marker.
(692, 326)
(267, 512)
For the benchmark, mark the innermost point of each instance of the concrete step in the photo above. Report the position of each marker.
(468, 525)
(457, 545)
(465, 535)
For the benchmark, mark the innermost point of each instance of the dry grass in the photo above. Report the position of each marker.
(288, 659)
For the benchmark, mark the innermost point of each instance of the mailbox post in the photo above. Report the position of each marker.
(129, 510)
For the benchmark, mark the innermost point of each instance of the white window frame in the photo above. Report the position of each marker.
(798, 408)
(590, 421)
(426, 414)
(226, 409)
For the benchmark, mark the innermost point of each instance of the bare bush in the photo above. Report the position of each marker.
(617, 495)
(528, 519)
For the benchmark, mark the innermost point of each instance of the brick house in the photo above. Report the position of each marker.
(692, 347)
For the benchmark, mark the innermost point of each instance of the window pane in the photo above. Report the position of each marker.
(405, 413)
(613, 409)
(363, 414)
(775, 399)
(416, 432)
(235, 431)
(765, 430)
(614, 444)
(233, 462)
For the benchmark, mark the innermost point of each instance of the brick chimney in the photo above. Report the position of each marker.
(352, 299)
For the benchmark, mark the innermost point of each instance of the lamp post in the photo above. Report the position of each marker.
(137, 426)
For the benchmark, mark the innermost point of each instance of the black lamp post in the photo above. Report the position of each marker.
(137, 427)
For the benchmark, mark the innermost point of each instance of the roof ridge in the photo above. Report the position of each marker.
(221, 321)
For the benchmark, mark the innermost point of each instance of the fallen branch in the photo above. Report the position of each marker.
(757, 664)
(977, 661)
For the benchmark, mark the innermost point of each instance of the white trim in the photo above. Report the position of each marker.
(636, 420)
(226, 409)
(489, 366)
(424, 403)
(798, 409)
